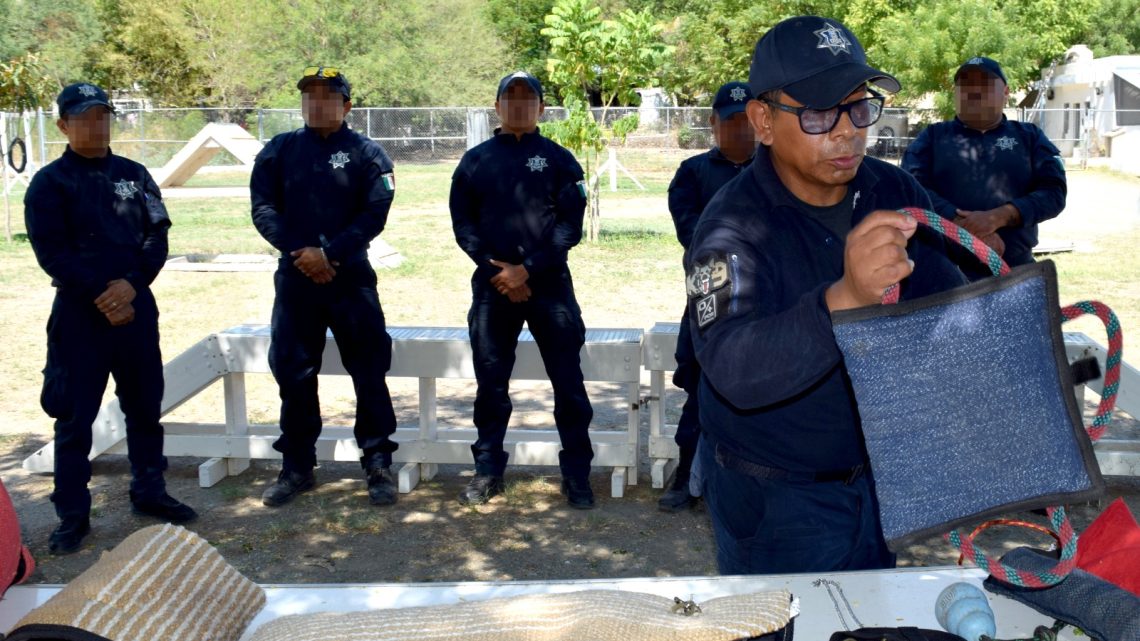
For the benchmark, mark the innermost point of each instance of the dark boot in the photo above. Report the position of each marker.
(481, 489)
(677, 497)
(288, 485)
(377, 473)
(68, 537)
(578, 492)
(164, 508)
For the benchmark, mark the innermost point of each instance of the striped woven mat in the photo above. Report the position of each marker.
(593, 615)
(162, 582)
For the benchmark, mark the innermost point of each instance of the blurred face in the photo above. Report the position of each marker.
(322, 108)
(814, 167)
(519, 108)
(734, 136)
(89, 133)
(979, 99)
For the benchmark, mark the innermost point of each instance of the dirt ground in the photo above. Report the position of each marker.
(332, 535)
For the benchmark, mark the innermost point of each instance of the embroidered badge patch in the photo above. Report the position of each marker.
(538, 163)
(389, 181)
(706, 277)
(1006, 143)
(338, 160)
(581, 184)
(706, 282)
(124, 189)
(88, 90)
(832, 39)
(737, 94)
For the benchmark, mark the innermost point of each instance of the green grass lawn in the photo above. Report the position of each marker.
(630, 277)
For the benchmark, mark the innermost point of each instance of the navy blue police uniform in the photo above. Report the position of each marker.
(521, 201)
(782, 451)
(785, 472)
(333, 193)
(91, 221)
(963, 168)
(697, 180)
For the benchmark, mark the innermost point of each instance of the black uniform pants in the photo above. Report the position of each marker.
(303, 312)
(687, 376)
(555, 321)
(83, 350)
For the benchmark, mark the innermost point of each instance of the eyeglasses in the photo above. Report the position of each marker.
(863, 113)
(321, 72)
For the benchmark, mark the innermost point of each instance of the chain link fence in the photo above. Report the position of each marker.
(434, 134)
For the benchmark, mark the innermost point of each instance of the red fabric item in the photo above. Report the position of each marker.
(16, 562)
(1110, 547)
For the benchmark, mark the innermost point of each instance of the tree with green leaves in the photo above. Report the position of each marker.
(609, 58)
(923, 48)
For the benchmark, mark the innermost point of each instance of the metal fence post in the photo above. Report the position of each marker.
(260, 125)
(43, 140)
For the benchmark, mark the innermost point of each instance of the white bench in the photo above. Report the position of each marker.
(1117, 457)
(426, 353)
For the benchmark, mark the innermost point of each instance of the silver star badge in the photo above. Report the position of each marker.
(87, 90)
(338, 160)
(737, 93)
(125, 189)
(538, 163)
(831, 38)
(1006, 143)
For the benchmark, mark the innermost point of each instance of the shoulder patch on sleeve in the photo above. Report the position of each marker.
(707, 284)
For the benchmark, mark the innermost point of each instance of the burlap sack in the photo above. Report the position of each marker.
(593, 615)
(162, 582)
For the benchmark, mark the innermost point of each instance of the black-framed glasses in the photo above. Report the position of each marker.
(863, 113)
(321, 72)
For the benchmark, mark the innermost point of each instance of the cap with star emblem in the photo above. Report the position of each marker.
(988, 65)
(519, 76)
(817, 61)
(79, 97)
(731, 98)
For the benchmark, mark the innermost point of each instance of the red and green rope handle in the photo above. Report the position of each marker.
(1062, 527)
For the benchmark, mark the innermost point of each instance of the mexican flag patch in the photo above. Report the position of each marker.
(582, 188)
(389, 181)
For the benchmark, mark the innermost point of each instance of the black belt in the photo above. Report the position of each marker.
(731, 461)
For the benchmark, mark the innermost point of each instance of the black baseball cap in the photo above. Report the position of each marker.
(817, 61)
(731, 98)
(987, 65)
(79, 97)
(328, 75)
(519, 76)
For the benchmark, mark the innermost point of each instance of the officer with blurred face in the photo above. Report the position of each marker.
(517, 202)
(320, 195)
(98, 227)
(697, 180)
(996, 177)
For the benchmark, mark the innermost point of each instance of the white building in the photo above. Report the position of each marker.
(1092, 105)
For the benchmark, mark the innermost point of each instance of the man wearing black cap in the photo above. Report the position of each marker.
(800, 234)
(320, 195)
(98, 227)
(696, 181)
(517, 202)
(996, 177)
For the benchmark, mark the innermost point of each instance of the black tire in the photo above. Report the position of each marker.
(18, 153)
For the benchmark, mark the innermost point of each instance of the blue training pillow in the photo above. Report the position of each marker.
(967, 404)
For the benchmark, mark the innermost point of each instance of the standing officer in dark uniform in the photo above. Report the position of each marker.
(996, 177)
(320, 194)
(696, 182)
(800, 234)
(98, 227)
(517, 202)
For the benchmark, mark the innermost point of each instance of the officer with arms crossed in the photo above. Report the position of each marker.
(800, 234)
(697, 180)
(98, 227)
(517, 202)
(320, 195)
(996, 177)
